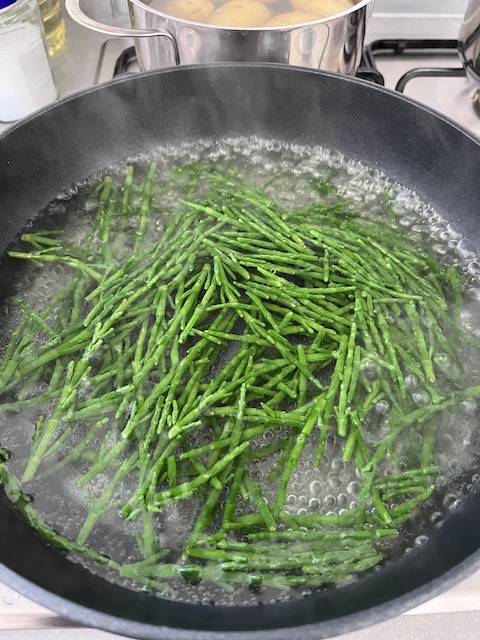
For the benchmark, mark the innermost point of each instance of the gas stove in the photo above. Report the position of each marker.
(426, 69)
(409, 50)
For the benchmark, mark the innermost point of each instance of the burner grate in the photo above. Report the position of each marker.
(427, 47)
(368, 69)
(124, 62)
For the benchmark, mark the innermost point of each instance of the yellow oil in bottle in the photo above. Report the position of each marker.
(54, 24)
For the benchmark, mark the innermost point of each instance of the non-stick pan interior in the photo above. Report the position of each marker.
(46, 154)
(88, 132)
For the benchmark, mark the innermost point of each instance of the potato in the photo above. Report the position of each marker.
(323, 8)
(292, 17)
(195, 10)
(241, 13)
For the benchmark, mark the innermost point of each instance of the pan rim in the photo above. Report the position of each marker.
(323, 628)
(88, 617)
(233, 65)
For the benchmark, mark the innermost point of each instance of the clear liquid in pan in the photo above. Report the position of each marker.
(332, 488)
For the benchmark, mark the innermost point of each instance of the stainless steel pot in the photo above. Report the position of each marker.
(469, 41)
(331, 44)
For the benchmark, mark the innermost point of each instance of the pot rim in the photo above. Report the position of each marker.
(290, 27)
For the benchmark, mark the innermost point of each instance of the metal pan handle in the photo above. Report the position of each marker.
(76, 13)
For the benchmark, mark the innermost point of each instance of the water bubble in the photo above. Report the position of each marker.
(406, 221)
(411, 381)
(353, 488)
(469, 405)
(435, 517)
(334, 482)
(455, 505)
(337, 465)
(440, 249)
(421, 397)
(467, 249)
(382, 407)
(329, 501)
(473, 293)
(342, 500)
(369, 369)
(315, 487)
(442, 359)
(449, 500)
(421, 540)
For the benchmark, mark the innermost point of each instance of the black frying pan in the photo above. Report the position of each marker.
(73, 139)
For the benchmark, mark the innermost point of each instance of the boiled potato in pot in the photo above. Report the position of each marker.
(195, 10)
(323, 8)
(241, 13)
(292, 17)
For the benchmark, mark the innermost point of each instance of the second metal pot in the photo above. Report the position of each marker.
(332, 44)
(469, 41)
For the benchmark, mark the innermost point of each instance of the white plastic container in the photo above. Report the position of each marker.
(26, 80)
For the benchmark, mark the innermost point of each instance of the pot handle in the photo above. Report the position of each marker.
(76, 13)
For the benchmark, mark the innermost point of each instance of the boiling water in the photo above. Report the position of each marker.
(332, 488)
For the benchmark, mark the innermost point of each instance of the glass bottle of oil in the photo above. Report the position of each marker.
(54, 24)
